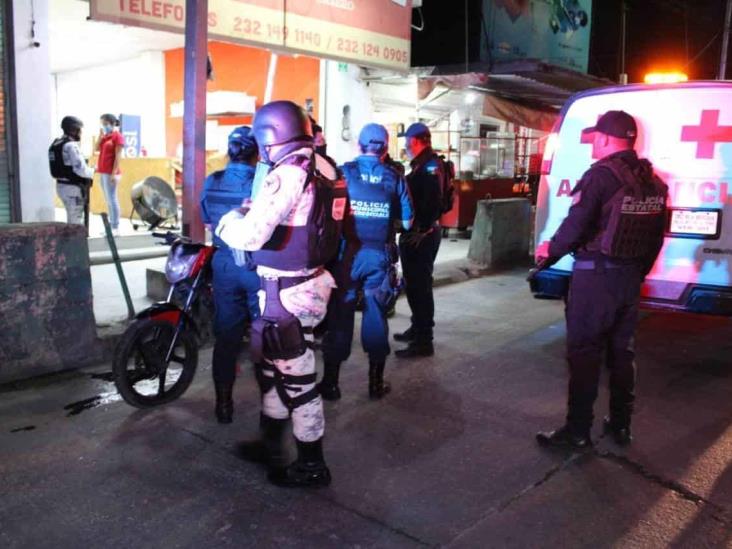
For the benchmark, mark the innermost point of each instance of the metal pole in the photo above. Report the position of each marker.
(623, 31)
(725, 42)
(467, 40)
(194, 116)
(118, 266)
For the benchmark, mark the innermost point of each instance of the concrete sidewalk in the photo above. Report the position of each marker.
(447, 459)
(110, 308)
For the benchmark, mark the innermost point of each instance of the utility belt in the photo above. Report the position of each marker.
(600, 265)
(83, 184)
(278, 334)
(430, 229)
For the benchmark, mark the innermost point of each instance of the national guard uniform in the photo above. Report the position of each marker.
(234, 287)
(378, 197)
(72, 174)
(287, 230)
(615, 230)
(418, 247)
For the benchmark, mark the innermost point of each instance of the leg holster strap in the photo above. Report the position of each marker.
(285, 382)
(277, 334)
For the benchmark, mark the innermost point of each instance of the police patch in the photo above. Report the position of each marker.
(339, 208)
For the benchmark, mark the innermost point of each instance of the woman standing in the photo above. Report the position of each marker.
(110, 146)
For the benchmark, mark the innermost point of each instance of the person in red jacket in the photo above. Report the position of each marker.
(110, 146)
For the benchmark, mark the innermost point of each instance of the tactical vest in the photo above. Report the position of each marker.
(371, 196)
(59, 170)
(636, 213)
(295, 247)
(225, 191)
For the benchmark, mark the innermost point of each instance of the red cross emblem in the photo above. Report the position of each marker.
(707, 134)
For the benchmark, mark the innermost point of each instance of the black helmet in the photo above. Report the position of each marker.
(71, 124)
(280, 122)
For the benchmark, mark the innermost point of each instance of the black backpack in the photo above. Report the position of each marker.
(447, 185)
(325, 224)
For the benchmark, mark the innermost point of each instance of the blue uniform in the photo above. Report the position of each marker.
(235, 288)
(378, 196)
(418, 256)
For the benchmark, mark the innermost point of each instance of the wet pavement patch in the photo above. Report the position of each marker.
(20, 429)
(75, 408)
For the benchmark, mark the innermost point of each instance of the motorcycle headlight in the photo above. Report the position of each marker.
(179, 265)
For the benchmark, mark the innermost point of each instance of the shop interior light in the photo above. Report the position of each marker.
(665, 77)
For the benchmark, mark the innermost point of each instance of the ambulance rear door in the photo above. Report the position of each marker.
(685, 130)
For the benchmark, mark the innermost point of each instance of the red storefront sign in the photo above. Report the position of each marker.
(368, 32)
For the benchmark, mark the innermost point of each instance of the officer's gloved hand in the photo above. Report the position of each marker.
(229, 226)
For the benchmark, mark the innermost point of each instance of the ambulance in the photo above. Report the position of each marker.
(685, 130)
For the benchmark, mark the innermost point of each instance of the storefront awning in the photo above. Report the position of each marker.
(528, 92)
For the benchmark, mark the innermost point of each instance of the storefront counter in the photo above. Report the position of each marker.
(134, 170)
(467, 194)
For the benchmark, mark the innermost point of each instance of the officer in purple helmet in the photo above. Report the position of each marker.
(292, 229)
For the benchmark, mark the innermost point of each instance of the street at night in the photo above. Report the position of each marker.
(449, 458)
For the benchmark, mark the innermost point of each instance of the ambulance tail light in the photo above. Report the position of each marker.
(552, 144)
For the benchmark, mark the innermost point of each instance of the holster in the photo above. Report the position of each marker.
(277, 334)
(388, 292)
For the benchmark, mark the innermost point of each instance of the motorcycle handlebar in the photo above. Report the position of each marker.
(170, 237)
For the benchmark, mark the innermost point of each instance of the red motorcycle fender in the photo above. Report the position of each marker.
(167, 312)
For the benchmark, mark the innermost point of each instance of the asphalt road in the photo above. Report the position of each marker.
(448, 459)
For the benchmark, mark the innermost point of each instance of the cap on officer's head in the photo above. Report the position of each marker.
(416, 130)
(242, 144)
(373, 138)
(616, 124)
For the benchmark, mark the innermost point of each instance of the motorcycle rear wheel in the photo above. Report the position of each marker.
(141, 375)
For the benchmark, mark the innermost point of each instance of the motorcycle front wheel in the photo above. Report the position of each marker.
(141, 374)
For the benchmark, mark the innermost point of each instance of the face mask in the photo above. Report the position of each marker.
(107, 129)
(261, 172)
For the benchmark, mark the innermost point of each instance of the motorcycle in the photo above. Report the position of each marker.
(156, 359)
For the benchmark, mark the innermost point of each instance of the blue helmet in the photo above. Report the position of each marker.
(373, 138)
(242, 145)
(280, 122)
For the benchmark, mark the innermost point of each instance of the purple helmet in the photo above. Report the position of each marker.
(280, 122)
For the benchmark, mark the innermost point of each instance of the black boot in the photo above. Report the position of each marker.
(268, 449)
(406, 336)
(564, 438)
(307, 471)
(328, 387)
(224, 403)
(620, 431)
(416, 349)
(378, 388)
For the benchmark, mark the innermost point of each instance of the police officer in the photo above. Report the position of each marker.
(69, 168)
(378, 197)
(615, 231)
(280, 230)
(234, 287)
(418, 247)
